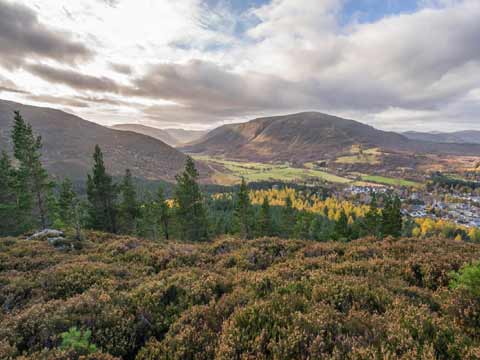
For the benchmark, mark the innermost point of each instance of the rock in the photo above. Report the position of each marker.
(45, 234)
(61, 243)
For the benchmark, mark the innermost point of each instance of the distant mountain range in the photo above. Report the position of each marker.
(309, 136)
(68, 144)
(172, 137)
(458, 137)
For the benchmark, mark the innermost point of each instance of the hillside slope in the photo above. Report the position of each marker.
(308, 136)
(185, 136)
(68, 143)
(158, 134)
(236, 299)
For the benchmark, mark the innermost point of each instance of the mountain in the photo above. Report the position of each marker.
(306, 137)
(68, 143)
(172, 137)
(458, 137)
(186, 136)
(156, 133)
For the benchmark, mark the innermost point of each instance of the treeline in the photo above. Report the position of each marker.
(30, 201)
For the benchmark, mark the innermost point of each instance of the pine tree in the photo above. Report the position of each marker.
(191, 213)
(243, 212)
(372, 219)
(7, 197)
(265, 219)
(341, 226)
(69, 207)
(288, 218)
(396, 217)
(149, 223)
(392, 221)
(128, 209)
(102, 196)
(33, 185)
(163, 213)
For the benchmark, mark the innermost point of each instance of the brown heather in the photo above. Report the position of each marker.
(233, 299)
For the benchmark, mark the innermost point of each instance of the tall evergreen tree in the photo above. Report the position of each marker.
(69, 207)
(102, 196)
(392, 221)
(163, 213)
(396, 217)
(33, 185)
(372, 218)
(243, 212)
(288, 218)
(265, 227)
(191, 213)
(386, 222)
(341, 226)
(128, 211)
(8, 225)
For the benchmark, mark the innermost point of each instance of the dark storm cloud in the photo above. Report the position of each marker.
(73, 79)
(23, 36)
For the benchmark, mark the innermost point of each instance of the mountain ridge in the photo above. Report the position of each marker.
(308, 136)
(68, 143)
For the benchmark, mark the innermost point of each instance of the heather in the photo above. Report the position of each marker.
(238, 299)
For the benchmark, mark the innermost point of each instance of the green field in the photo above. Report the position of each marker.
(389, 181)
(369, 156)
(253, 171)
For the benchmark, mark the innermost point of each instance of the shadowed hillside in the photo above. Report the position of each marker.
(158, 134)
(308, 136)
(172, 137)
(68, 143)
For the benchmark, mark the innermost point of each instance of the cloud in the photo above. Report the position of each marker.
(8, 86)
(58, 100)
(205, 90)
(23, 36)
(122, 68)
(74, 79)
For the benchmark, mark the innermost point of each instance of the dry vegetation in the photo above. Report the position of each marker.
(233, 299)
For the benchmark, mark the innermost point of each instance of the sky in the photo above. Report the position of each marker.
(394, 64)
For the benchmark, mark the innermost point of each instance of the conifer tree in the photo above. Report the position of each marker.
(69, 207)
(191, 213)
(341, 226)
(163, 213)
(265, 227)
(392, 217)
(102, 196)
(7, 197)
(33, 185)
(288, 218)
(396, 217)
(243, 212)
(372, 218)
(128, 208)
(149, 223)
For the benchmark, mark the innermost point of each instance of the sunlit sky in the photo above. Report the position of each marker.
(394, 64)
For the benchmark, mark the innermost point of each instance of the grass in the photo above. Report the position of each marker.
(253, 171)
(389, 181)
(369, 156)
